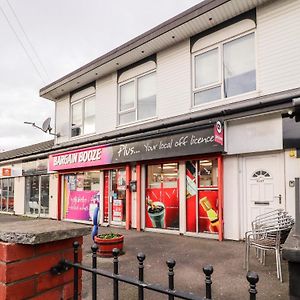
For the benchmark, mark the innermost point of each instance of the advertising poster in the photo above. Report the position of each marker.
(117, 210)
(208, 219)
(79, 204)
(162, 208)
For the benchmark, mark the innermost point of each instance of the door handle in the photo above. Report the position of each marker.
(279, 198)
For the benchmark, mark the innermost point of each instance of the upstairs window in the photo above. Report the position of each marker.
(225, 70)
(83, 118)
(137, 99)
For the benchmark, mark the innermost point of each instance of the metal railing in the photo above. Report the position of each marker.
(139, 282)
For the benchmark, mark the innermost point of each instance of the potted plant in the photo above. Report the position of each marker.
(106, 242)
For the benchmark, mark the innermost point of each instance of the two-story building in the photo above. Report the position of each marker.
(180, 130)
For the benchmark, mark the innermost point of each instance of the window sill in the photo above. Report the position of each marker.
(226, 101)
(78, 137)
(137, 122)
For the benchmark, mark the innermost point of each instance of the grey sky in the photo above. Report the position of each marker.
(65, 34)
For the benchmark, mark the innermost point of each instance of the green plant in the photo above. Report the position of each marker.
(108, 236)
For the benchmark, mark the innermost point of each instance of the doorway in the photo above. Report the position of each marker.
(202, 197)
(264, 185)
(114, 205)
(7, 195)
(37, 195)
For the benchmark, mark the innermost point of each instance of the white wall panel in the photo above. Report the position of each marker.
(278, 27)
(53, 192)
(19, 200)
(62, 119)
(292, 170)
(106, 104)
(174, 80)
(262, 133)
(231, 199)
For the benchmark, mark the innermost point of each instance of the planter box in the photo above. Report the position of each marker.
(105, 246)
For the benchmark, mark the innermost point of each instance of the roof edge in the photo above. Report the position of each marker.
(183, 17)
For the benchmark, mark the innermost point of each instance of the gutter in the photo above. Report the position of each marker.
(270, 103)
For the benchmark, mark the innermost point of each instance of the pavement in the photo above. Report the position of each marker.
(191, 254)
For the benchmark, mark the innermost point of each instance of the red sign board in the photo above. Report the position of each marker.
(6, 171)
(219, 133)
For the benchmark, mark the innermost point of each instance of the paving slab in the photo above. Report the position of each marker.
(191, 254)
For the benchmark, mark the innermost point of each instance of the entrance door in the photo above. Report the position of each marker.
(37, 195)
(115, 197)
(7, 195)
(265, 191)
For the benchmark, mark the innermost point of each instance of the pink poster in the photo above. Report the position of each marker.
(81, 204)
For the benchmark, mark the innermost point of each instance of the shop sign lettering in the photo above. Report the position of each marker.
(79, 157)
(195, 142)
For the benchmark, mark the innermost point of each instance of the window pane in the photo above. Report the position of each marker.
(147, 96)
(89, 116)
(32, 195)
(206, 68)
(207, 95)
(76, 119)
(81, 195)
(127, 117)
(208, 173)
(162, 197)
(127, 96)
(44, 194)
(239, 66)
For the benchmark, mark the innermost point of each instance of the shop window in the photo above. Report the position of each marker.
(83, 117)
(225, 70)
(202, 196)
(162, 196)
(37, 195)
(137, 99)
(7, 195)
(81, 195)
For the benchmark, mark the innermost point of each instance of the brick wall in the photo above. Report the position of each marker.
(25, 270)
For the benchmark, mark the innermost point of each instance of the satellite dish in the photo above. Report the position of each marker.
(46, 125)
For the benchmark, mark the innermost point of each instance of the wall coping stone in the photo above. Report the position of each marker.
(41, 231)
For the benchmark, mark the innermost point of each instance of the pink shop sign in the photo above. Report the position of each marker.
(82, 158)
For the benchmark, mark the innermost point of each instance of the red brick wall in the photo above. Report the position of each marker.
(25, 270)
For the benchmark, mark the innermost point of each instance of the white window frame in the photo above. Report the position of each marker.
(82, 101)
(220, 47)
(134, 108)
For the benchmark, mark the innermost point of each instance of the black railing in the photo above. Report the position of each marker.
(172, 293)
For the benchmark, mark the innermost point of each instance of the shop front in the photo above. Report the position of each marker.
(180, 190)
(7, 187)
(36, 188)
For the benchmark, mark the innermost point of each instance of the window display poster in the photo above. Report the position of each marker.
(208, 211)
(208, 219)
(81, 204)
(79, 182)
(117, 210)
(162, 208)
